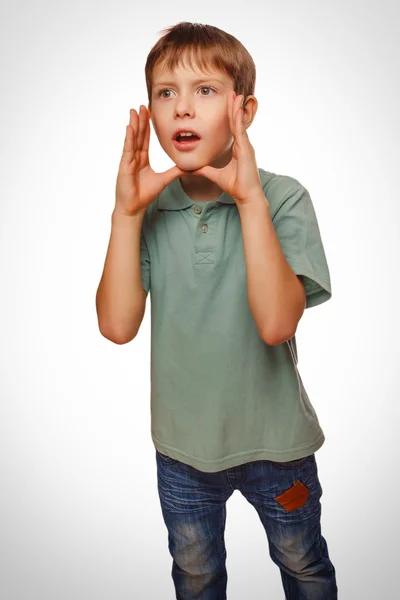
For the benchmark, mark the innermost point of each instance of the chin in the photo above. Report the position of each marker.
(190, 168)
(190, 163)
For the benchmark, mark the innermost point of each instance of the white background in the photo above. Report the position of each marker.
(79, 512)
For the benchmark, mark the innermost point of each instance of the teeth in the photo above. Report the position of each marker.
(186, 133)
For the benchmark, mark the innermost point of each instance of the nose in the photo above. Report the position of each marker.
(184, 106)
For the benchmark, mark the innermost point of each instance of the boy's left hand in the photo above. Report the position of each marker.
(240, 178)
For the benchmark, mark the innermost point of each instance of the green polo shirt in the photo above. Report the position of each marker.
(220, 395)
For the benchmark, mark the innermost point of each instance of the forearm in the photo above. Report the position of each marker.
(119, 298)
(276, 297)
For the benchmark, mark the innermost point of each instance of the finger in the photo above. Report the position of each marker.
(231, 102)
(146, 141)
(240, 128)
(127, 147)
(142, 127)
(235, 102)
(130, 140)
(170, 175)
(239, 117)
(127, 150)
(208, 172)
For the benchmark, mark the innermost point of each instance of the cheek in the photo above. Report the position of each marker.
(157, 122)
(156, 128)
(220, 123)
(222, 131)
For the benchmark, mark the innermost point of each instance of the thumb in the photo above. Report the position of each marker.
(170, 175)
(208, 172)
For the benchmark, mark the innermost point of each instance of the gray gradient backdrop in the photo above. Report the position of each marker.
(79, 511)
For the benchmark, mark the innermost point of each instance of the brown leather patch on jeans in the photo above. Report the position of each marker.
(294, 497)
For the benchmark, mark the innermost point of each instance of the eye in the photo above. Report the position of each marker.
(207, 88)
(162, 92)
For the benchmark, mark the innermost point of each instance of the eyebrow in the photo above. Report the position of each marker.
(196, 82)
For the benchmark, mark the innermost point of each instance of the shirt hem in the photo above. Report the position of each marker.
(234, 460)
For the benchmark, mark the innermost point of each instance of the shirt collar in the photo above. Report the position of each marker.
(174, 197)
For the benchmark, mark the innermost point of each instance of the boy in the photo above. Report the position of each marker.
(232, 255)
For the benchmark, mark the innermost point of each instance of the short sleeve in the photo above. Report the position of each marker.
(297, 229)
(144, 263)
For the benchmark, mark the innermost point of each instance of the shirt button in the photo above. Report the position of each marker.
(197, 210)
(204, 228)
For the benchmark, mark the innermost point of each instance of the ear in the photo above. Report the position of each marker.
(250, 107)
(149, 110)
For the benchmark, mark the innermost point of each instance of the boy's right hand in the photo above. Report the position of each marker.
(137, 184)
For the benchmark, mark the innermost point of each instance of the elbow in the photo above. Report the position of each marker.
(119, 338)
(281, 332)
(120, 341)
(122, 331)
(277, 337)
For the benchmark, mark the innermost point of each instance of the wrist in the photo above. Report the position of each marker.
(119, 217)
(257, 201)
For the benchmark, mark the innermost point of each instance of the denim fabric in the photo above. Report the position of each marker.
(193, 505)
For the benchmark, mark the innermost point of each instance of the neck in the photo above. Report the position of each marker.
(200, 188)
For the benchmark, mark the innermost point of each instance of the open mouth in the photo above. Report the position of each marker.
(185, 139)
(186, 142)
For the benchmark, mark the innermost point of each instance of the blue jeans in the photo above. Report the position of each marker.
(286, 497)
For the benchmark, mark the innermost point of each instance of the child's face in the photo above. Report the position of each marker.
(186, 98)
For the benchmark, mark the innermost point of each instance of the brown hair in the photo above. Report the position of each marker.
(209, 46)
